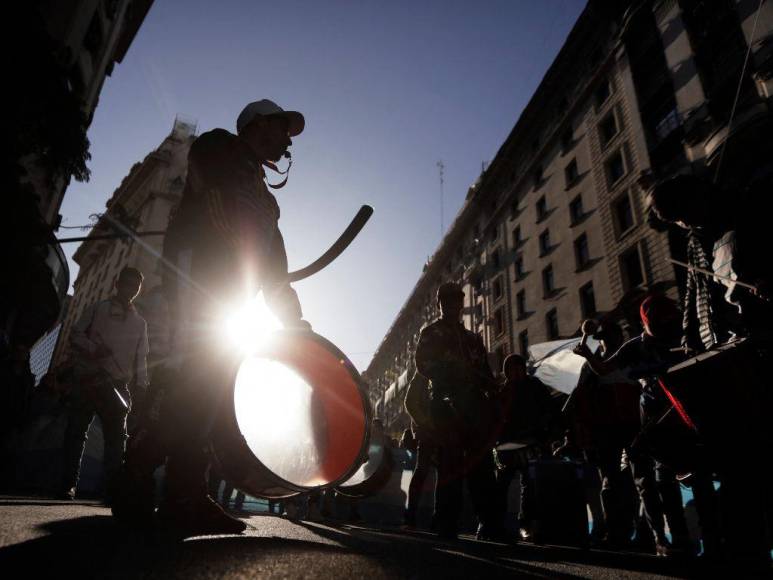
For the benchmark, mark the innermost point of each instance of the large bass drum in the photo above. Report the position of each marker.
(375, 472)
(296, 419)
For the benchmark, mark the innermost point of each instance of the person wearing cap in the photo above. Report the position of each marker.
(222, 247)
(646, 358)
(455, 361)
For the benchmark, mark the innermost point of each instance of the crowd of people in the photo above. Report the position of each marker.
(675, 396)
(683, 400)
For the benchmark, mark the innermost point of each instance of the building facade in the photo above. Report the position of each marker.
(90, 37)
(556, 230)
(145, 199)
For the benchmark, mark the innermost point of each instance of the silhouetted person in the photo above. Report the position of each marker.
(222, 247)
(530, 416)
(735, 227)
(109, 348)
(646, 357)
(604, 419)
(455, 361)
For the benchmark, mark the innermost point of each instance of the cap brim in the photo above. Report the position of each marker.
(295, 122)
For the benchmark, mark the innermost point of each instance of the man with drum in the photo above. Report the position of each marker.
(223, 246)
(455, 361)
(646, 358)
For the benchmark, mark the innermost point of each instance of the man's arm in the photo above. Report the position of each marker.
(281, 298)
(141, 358)
(79, 339)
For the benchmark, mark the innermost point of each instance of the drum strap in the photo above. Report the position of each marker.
(678, 406)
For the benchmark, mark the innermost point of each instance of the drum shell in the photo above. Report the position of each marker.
(724, 394)
(381, 474)
(238, 462)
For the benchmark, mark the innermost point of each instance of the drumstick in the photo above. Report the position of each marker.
(712, 274)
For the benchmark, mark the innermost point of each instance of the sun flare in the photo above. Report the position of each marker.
(248, 327)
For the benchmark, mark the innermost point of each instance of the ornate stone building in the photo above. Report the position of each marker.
(145, 198)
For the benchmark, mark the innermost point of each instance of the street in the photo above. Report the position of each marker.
(44, 537)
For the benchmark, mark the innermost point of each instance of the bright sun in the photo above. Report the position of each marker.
(248, 327)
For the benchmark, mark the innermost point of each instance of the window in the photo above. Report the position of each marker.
(538, 177)
(496, 288)
(623, 213)
(493, 233)
(93, 37)
(523, 343)
(608, 129)
(496, 259)
(576, 211)
(615, 168)
(514, 209)
(519, 271)
(548, 281)
(542, 208)
(581, 251)
(499, 322)
(668, 124)
(567, 140)
(551, 324)
(602, 92)
(587, 300)
(544, 242)
(571, 173)
(631, 268)
(517, 239)
(520, 304)
(475, 231)
(500, 354)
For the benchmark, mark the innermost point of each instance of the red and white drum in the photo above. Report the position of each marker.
(296, 419)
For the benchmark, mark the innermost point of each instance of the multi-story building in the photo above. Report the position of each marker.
(90, 37)
(145, 199)
(555, 229)
(59, 55)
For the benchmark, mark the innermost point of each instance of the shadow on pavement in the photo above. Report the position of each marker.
(498, 558)
(95, 546)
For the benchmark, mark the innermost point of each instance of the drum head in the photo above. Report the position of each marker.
(301, 412)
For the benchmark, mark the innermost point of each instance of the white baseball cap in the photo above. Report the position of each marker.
(266, 108)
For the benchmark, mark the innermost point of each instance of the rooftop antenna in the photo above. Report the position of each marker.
(441, 169)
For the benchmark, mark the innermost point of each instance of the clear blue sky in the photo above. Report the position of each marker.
(388, 88)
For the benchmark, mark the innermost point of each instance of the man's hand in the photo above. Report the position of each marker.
(583, 351)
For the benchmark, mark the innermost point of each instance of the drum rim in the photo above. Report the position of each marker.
(361, 385)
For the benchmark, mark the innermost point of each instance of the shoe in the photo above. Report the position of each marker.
(67, 494)
(664, 549)
(489, 533)
(525, 534)
(198, 516)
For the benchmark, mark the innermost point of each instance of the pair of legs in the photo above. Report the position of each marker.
(661, 498)
(186, 404)
(457, 464)
(504, 478)
(425, 452)
(98, 399)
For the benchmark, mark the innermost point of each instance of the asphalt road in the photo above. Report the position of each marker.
(45, 537)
